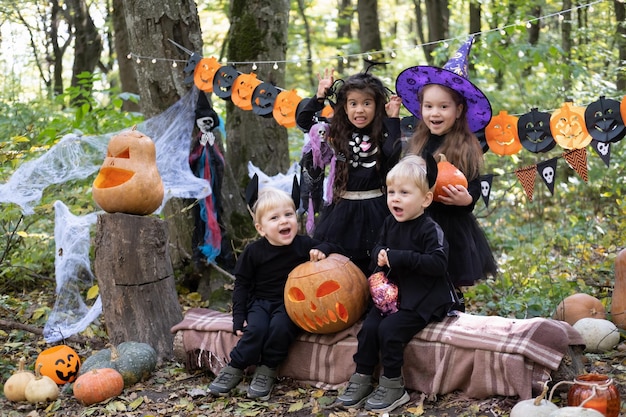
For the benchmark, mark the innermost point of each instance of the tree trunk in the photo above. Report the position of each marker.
(620, 17)
(258, 32)
(136, 280)
(566, 45)
(438, 16)
(128, 78)
(369, 32)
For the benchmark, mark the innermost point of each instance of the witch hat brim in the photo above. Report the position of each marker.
(454, 76)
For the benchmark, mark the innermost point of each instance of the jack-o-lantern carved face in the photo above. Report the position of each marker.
(223, 81)
(567, 125)
(326, 296)
(603, 120)
(534, 131)
(501, 134)
(61, 363)
(243, 87)
(263, 99)
(285, 108)
(129, 181)
(204, 74)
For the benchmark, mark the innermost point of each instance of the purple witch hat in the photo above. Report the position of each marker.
(452, 75)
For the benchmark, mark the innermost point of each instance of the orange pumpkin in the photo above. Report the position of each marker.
(243, 87)
(129, 181)
(98, 385)
(501, 134)
(447, 174)
(578, 306)
(285, 108)
(204, 73)
(568, 127)
(60, 363)
(326, 296)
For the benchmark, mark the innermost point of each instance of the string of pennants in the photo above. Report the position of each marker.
(599, 124)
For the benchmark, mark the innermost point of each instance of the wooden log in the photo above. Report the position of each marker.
(136, 280)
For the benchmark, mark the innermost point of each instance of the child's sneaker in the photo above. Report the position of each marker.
(389, 395)
(262, 383)
(227, 379)
(359, 387)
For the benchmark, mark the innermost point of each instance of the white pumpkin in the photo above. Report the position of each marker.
(600, 335)
(576, 412)
(533, 408)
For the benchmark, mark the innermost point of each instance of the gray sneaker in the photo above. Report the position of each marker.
(227, 379)
(359, 387)
(262, 383)
(389, 395)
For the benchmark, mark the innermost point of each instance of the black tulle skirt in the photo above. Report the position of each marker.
(355, 225)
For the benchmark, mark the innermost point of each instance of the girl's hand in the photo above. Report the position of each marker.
(383, 259)
(457, 195)
(239, 333)
(393, 106)
(316, 255)
(325, 81)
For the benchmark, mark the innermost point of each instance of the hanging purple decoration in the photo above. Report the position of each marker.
(534, 131)
(485, 187)
(547, 172)
(604, 121)
(603, 149)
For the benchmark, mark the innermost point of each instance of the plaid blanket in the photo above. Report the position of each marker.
(480, 355)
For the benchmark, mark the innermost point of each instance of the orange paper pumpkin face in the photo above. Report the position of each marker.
(129, 181)
(204, 73)
(243, 87)
(568, 127)
(285, 108)
(326, 296)
(61, 363)
(501, 134)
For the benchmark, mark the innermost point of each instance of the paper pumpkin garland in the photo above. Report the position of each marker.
(533, 129)
(567, 125)
(263, 99)
(285, 108)
(603, 120)
(242, 90)
(223, 81)
(205, 73)
(501, 134)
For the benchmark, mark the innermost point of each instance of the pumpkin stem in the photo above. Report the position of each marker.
(115, 354)
(542, 395)
(441, 158)
(20, 364)
(38, 371)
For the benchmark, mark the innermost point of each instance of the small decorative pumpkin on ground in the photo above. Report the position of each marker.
(98, 385)
(447, 174)
(129, 180)
(61, 363)
(600, 335)
(15, 385)
(326, 296)
(41, 389)
(535, 407)
(575, 412)
(578, 306)
(135, 361)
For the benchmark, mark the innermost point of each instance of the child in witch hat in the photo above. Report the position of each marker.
(450, 109)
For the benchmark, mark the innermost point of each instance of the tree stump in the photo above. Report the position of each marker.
(136, 280)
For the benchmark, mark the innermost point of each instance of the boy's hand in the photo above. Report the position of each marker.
(383, 259)
(316, 255)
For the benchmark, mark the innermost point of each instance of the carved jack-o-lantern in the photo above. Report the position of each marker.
(243, 87)
(204, 74)
(501, 134)
(603, 120)
(534, 131)
(129, 181)
(61, 363)
(567, 125)
(326, 296)
(223, 81)
(263, 99)
(285, 108)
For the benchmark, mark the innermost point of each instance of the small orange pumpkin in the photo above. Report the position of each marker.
(501, 134)
(204, 73)
(326, 296)
(285, 108)
(568, 127)
(447, 174)
(243, 88)
(60, 363)
(129, 181)
(578, 306)
(98, 385)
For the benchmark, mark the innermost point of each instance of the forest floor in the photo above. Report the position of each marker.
(172, 391)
